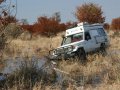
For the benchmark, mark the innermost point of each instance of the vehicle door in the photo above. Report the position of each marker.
(89, 42)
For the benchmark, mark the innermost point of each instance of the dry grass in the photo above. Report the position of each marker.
(100, 73)
(37, 47)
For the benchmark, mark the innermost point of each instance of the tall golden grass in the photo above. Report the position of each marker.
(35, 47)
(100, 72)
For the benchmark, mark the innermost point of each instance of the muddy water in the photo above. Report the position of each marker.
(12, 64)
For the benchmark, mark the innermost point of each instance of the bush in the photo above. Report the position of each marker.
(12, 31)
(46, 26)
(90, 12)
(49, 26)
(116, 24)
(7, 34)
(28, 74)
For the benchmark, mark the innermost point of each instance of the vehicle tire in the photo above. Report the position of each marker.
(103, 49)
(81, 55)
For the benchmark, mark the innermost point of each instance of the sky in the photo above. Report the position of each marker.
(32, 9)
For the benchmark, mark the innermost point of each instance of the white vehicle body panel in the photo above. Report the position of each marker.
(96, 33)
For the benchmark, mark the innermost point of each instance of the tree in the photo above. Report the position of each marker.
(57, 17)
(8, 12)
(115, 25)
(49, 26)
(90, 12)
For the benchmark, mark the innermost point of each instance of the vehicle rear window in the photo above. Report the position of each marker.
(94, 33)
(101, 32)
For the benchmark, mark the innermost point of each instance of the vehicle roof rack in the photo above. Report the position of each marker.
(87, 24)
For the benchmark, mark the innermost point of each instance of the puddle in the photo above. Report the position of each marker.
(12, 64)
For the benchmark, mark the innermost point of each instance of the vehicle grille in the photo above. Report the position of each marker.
(61, 50)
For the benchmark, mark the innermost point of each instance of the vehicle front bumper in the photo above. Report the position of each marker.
(62, 56)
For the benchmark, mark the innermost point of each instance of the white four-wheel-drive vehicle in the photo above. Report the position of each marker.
(80, 40)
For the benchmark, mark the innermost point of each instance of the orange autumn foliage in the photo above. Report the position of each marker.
(89, 12)
(115, 25)
(46, 26)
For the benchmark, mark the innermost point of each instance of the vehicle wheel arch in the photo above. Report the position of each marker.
(78, 53)
(81, 48)
(103, 49)
(102, 45)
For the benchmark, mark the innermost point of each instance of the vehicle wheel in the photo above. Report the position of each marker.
(81, 55)
(103, 49)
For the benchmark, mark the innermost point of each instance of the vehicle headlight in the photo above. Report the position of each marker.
(54, 52)
(71, 48)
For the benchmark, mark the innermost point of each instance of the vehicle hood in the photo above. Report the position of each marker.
(76, 44)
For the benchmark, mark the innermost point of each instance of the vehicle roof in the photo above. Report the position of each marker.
(74, 30)
(82, 27)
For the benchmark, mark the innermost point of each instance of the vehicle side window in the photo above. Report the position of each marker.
(77, 37)
(101, 32)
(94, 33)
(87, 36)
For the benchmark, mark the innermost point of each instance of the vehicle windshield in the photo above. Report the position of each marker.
(72, 38)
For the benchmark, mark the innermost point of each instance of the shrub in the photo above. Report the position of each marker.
(7, 34)
(90, 12)
(12, 31)
(46, 26)
(28, 74)
(49, 26)
(116, 24)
